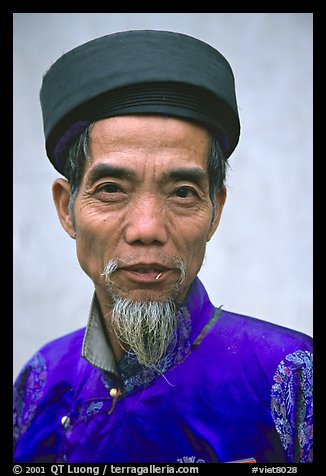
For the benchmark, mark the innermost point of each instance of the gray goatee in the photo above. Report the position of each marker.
(148, 328)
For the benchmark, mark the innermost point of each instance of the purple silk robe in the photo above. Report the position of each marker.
(235, 387)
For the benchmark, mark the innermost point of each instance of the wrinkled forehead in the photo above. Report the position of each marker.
(148, 131)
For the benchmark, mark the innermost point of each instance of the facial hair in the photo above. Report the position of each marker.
(148, 327)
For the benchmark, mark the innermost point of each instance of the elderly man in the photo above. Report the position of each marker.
(141, 124)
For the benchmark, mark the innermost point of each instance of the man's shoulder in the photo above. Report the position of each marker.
(246, 348)
(66, 344)
(61, 353)
(259, 329)
(256, 339)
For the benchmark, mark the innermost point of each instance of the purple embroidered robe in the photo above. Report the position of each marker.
(235, 388)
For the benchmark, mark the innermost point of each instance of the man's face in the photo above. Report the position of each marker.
(144, 202)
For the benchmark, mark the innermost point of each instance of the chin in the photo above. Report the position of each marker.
(146, 295)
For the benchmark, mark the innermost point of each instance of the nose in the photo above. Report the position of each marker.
(146, 223)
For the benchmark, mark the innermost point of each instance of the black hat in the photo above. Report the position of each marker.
(138, 72)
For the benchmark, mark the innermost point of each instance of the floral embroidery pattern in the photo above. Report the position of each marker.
(190, 459)
(291, 405)
(27, 393)
(91, 409)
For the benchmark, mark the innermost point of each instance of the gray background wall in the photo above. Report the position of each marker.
(260, 261)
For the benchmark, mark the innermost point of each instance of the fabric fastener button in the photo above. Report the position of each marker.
(65, 421)
(113, 392)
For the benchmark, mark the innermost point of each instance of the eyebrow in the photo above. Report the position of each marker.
(191, 174)
(106, 170)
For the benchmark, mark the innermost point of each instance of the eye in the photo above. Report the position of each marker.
(110, 192)
(110, 188)
(185, 192)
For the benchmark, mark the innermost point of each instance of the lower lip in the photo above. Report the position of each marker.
(151, 277)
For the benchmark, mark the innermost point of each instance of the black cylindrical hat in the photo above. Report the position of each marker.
(138, 72)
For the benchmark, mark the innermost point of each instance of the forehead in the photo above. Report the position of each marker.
(141, 137)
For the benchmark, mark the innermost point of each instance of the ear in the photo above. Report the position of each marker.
(61, 196)
(220, 201)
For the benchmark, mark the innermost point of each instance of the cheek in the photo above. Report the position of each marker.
(95, 244)
(191, 236)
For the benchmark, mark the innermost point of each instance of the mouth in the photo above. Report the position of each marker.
(146, 273)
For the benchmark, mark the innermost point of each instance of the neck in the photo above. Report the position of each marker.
(106, 310)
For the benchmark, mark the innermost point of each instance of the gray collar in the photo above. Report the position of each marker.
(96, 348)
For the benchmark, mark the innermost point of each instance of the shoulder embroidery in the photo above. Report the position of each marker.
(292, 405)
(27, 392)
